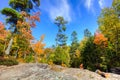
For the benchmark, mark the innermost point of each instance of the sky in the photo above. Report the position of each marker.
(80, 14)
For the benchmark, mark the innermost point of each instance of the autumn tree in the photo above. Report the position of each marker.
(109, 25)
(101, 43)
(38, 48)
(61, 38)
(89, 54)
(100, 40)
(3, 36)
(18, 14)
(116, 6)
(3, 31)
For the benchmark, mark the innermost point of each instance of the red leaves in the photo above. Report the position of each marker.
(34, 18)
(31, 18)
(24, 29)
(24, 26)
(100, 39)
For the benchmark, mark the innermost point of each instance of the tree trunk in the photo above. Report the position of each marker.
(7, 51)
(16, 54)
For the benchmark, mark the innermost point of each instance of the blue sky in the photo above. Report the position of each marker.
(80, 14)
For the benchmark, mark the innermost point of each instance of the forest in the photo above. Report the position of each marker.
(98, 51)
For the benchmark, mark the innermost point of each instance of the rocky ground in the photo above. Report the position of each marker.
(46, 72)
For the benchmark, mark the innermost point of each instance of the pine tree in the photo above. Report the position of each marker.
(61, 38)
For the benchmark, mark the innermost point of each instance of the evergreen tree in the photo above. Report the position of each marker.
(74, 44)
(87, 33)
(74, 51)
(61, 38)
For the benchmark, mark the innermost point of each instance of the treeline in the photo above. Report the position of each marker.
(98, 51)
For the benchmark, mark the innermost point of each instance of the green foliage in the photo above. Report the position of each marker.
(93, 57)
(87, 33)
(116, 6)
(74, 51)
(61, 38)
(60, 56)
(29, 58)
(90, 52)
(74, 45)
(109, 25)
(74, 37)
(90, 57)
(59, 21)
(24, 5)
(19, 13)
(1, 49)
(12, 14)
(8, 62)
(76, 59)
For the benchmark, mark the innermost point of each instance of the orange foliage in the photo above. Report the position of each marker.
(21, 24)
(100, 40)
(26, 34)
(3, 32)
(24, 26)
(23, 13)
(31, 18)
(24, 29)
(39, 46)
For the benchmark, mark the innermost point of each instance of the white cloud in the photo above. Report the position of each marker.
(101, 4)
(89, 4)
(105, 3)
(59, 8)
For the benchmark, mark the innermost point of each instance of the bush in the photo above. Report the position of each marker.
(61, 56)
(29, 58)
(8, 62)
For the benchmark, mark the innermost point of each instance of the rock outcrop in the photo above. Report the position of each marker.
(34, 71)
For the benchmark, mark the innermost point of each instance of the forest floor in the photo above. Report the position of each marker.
(33, 71)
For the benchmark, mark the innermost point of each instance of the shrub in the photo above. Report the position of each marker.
(8, 62)
(61, 56)
(29, 58)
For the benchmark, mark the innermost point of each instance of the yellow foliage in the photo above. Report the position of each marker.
(38, 59)
(77, 53)
(6, 57)
(21, 60)
(63, 65)
(50, 62)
